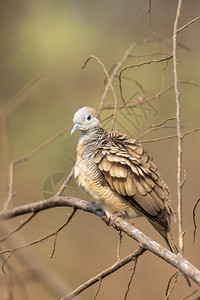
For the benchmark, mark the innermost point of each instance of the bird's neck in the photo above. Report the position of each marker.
(91, 139)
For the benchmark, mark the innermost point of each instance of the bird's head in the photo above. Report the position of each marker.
(85, 119)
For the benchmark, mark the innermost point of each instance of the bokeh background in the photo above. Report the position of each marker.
(42, 49)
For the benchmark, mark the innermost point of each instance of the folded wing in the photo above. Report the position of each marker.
(130, 172)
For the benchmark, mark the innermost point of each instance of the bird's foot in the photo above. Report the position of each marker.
(110, 221)
(105, 218)
(113, 219)
(100, 212)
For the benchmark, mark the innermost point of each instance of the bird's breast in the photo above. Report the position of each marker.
(90, 179)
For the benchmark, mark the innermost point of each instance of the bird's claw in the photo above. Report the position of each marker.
(110, 221)
(113, 219)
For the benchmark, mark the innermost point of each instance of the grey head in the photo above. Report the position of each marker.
(85, 119)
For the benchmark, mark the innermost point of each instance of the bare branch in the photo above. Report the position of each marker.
(175, 260)
(171, 285)
(131, 278)
(59, 229)
(151, 98)
(155, 127)
(105, 273)
(171, 137)
(119, 65)
(25, 158)
(139, 65)
(36, 267)
(24, 94)
(65, 183)
(194, 219)
(192, 294)
(19, 227)
(119, 245)
(178, 123)
(109, 81)
(189, 23)
(98, 290)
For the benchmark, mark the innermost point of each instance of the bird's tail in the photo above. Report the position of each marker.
(167, 235)
(170, 242)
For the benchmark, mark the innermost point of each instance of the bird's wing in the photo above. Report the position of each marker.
(130, 172)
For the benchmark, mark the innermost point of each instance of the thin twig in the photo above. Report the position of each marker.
(190, 295)
(26, 158)
(194, 220)
(171, 137)
(151, 98)
(119, 245)
(189, 23)
(155, 127)
(109, 81)
(105, 273)
(171, 285)
(130, 279)
(119, 65)
(59, 229)
(158, 41)
(26, 221)
(98, 289)
(65, 183)
(179, 138)
(24, 94)
(139, 65)
(43, 239)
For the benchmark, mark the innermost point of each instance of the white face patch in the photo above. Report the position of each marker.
(84, 119)
(80, 115)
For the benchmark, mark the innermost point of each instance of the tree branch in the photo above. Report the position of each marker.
(179, 138)
(116, 266)
(175, 260)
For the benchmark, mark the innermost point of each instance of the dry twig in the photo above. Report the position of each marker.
(131, 278)
(189, 23)
(179, 138)
(26, 158)
(109, 81)
(105, 273)
(194, 219)
(43, 239)
(171, 285)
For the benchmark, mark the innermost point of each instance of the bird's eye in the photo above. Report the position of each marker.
(89, 117)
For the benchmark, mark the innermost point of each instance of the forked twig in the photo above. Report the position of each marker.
(26, 158)
(105, 273)
(43, 239)
(109, 81)
(131, 278)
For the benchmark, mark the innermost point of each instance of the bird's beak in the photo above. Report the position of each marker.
(75, 128)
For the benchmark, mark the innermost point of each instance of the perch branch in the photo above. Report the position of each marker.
(175, 260)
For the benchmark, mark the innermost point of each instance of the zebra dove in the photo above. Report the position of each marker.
(120, 176)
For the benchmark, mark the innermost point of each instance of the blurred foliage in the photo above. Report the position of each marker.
(43, 47)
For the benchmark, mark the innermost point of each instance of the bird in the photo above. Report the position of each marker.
(120, 176)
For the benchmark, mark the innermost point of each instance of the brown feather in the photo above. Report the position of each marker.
(139, 186)
(129, 185)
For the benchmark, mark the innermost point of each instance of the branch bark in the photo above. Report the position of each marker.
(177, 261)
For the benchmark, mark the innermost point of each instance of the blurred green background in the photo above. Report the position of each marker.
(43, 47)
